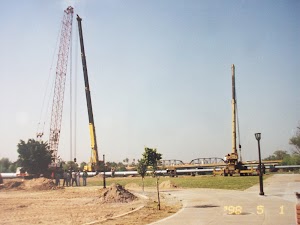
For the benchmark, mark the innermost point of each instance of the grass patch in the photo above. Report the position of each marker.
(208, 181)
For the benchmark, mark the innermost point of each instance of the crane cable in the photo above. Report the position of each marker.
(71, 102)
(73, 116)
(238, 128)
(75, 100)
(42, 117)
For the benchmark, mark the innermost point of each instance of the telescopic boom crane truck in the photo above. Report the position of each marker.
(94, 164)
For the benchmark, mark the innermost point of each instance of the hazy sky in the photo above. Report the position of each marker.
(160, 75)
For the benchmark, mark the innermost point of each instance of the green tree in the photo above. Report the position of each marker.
(142, 170)
(34, 156)
(70, 165)
(120, 167)
(13, 167)
(82, 165)
(110, 165)
(295, 141)
(293, 159)
(287, 159)
(4, 165)
(126, 161)
(133, 162)
(151, 158)
(277, 155)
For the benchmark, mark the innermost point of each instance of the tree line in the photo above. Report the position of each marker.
(292, 158)
(35, 157)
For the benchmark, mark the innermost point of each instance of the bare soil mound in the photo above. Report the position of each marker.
(115, 193)
(38, 184)
(12, 184)
(167, 184)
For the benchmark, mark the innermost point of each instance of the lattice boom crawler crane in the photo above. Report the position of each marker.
(59, 89)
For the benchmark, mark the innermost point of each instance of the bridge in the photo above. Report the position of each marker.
(208, 162)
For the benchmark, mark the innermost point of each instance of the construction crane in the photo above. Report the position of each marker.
(233, 164)
(59, 88)
(232, 158)
(94, 163)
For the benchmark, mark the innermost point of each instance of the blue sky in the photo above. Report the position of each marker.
(160, 75)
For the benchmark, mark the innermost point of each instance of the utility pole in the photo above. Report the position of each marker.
(261, 187)
(104, 181)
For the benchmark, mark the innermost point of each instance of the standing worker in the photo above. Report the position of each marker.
(65, 176)
(84, 177)
(74, 180)
(69, 175)
(78, 177)
(57, 179)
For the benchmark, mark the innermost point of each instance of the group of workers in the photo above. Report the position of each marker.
(71, 178)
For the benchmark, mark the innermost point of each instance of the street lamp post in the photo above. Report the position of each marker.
(104, 181)
(258, 137)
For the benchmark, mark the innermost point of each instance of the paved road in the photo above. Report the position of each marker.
(216, 207)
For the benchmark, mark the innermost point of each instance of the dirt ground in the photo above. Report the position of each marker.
(40, 202)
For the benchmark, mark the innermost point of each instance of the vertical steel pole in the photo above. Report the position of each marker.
(233, 103)
(260, 172)
(104, 181)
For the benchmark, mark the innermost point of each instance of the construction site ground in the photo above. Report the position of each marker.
(40, 202)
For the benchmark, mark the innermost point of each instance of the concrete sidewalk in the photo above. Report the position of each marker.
(215, 207)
